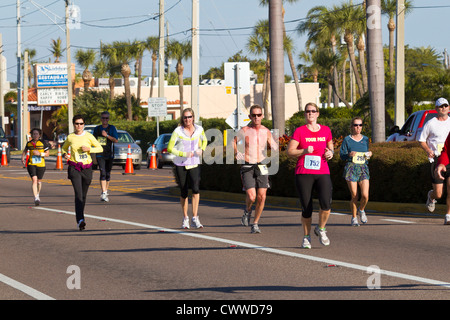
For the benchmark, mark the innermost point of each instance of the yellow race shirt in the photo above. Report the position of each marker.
(42, 147)
(76, 142)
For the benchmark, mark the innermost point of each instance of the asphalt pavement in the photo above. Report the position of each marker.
(134, 249)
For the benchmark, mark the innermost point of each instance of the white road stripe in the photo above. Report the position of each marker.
(266, 249)
(24, 288)
(399, 221)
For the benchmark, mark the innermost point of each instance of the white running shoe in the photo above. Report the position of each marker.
(196, 222)
(431, 203)
(322, 234)
(447, 219)
(306, 244)
(185, 224)
(355, 222)
(104, 197)
(362, 215)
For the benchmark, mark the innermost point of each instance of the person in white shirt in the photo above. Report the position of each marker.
(432, 140)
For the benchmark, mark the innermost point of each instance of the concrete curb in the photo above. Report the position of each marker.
(337, 205)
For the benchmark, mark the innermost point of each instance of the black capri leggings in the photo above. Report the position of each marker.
(81, 181)
(305, 184)
(188, 178)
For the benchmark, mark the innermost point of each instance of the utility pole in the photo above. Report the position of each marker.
(69, 73)
(19, 79)
(26, 113)
(400, 65)
(277, 65)
(195, 60)
(2, 80)
(161, 50)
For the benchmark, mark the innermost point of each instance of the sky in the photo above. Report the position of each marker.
(225, 26)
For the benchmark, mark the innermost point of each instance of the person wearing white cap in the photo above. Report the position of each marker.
(432, 140)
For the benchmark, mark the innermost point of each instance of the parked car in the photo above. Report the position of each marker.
(121, 149)
(4, 140)
(413, 126)
(162, 156)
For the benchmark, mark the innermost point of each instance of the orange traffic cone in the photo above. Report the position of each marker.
(129, 164)
(153, 159)
(4, 158)
(59, 162)
(28, 158)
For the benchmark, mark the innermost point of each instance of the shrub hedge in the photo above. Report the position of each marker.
(399, 172)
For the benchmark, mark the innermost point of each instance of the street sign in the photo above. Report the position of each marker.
(244, 77)
(157, 107)
(232, 120)
(52, 96)
(51, 75)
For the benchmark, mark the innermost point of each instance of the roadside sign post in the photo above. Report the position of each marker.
(157, 107)
(237, 77)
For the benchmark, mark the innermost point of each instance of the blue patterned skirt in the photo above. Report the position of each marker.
(356, 172)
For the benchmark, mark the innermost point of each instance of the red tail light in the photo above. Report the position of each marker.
(164, 150)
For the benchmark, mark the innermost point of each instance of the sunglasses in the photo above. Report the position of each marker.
(357, 125)
(187, 117)
(254, 115)
(443, 106)
(79, 123)
(103, 118)
(310, 111)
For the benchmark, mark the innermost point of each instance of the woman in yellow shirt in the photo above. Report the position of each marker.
(81, 144)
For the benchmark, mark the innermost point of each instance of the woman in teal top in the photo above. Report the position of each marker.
(355, 151)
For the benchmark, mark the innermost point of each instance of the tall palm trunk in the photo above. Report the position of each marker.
(293, 69)
(112, 85)
(139, 75)
(266, 89)
(348, 37)
(376, 70)
(154, 58)
(391, 27)
(180, 69)
(362, 62)
(335, 74)
(126, 71)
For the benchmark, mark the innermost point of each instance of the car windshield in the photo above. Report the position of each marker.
(167, 138)
(124, 137)
(2, 133)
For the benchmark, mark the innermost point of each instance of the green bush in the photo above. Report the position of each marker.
(399, 172)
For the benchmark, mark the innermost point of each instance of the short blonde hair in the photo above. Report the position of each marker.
(313, 105)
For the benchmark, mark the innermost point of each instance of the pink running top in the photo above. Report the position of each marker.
(315, 162)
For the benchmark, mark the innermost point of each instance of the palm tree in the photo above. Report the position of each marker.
(112, 66)
(120, 52)
(85, 59)
(152, 44)
(289, 51)
(31, 55)
(137, 51)
(56, 49)
(348, 16)
(389, 8)
(322, 28)
(179, 51)
(258, 44)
